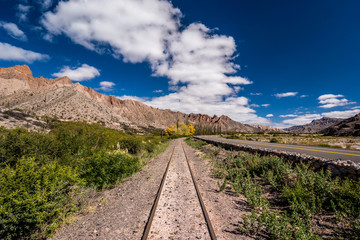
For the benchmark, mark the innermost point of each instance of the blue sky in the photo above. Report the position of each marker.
(278, 63)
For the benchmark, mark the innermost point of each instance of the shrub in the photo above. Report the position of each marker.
(104, 170)
(274, 140)
(34, 197)
(132, 144)
(196, 144)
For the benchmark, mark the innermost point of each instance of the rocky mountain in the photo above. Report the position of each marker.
(315, 126)
(65, 100)
(347, 127)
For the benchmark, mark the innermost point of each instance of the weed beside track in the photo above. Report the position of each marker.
(287, 201)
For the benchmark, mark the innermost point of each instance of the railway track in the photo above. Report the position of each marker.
(177, 158)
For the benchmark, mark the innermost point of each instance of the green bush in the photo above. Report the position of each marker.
(196, 144)
(103, 170)
(34, 197)
(40, 172)
(132, 144)
(18, 142)
(274, 140)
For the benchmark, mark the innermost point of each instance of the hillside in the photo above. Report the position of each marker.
(65, 100)
(347, 127)
(315, 126)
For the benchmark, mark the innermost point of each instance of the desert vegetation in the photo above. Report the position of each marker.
(300, 139)
(43, 175)
(285, 200)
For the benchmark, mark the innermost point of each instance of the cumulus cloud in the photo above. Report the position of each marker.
(135, 30)
(269, 115)
(83, 73)
(304, 96)
(198, 62)
(107, 86)
(11, 53)
(23, 12)
(331, 100)
(256, 94)
(13, 31)
(265, 105)
(158, 91)
(287, 94)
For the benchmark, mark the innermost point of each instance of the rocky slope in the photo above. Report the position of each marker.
(347, 127)
(315, 126)
(68, 101)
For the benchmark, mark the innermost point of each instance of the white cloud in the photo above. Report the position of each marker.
(265, 105)
(256, 94)
(287, 94)
(107, 86)
(23, 12)
(304, 96)
(126, 97)
(330, 96)
(288, 115)
(13, 30)
(11, 53)
(269, 115)
(198, 62)
(331, 100)
(45, 4)
(303, 119)
(341, 114)
(83, 73)
(158, 91)
(136, 30)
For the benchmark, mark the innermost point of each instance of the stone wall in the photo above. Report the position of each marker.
(342, 168)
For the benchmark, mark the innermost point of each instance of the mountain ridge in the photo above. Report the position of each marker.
(60, 97)
(315, 126)
(347, 127)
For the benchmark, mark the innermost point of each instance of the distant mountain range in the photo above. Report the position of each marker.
(347, 127)
(315, 126)
(65, 100)
(330, 127)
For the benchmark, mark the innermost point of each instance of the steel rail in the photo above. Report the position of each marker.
(153, 209)
(206, 215)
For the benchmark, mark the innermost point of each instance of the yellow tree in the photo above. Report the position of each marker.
(191, 129)
(181, 129)
(170, 131)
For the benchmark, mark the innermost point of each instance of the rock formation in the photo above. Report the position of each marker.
(347, 127)
(315, 126)
(65, 100)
